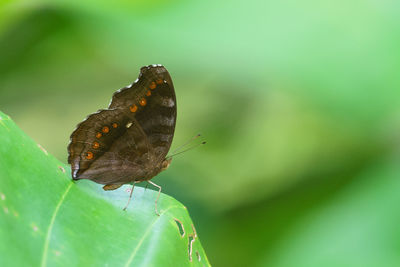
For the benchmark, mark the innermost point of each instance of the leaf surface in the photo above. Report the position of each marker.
(46, 219)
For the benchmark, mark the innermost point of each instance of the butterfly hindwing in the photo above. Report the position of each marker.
(93, 137)
(124, 161)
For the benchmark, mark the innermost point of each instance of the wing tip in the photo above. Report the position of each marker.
(144, 69)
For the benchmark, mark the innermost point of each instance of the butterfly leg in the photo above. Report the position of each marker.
(130, 196)
(146, 186)
(159, 192)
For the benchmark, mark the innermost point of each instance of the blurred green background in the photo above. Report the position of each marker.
(299, 102)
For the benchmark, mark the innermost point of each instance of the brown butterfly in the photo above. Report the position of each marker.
(129, 141)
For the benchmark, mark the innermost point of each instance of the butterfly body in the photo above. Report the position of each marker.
(129, 141)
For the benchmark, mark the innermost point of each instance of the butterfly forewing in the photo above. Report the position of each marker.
(157, 117)
(158, 120)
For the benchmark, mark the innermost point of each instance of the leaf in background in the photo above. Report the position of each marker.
(358, 226)
(47, 220)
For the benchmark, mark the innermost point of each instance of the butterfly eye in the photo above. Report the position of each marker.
(165, 164)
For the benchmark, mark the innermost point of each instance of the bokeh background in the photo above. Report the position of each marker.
(299, 102)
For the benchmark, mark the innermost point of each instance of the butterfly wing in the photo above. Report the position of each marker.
(157, 117)
(125, 142)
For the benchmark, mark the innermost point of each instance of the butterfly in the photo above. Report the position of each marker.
(129, 141)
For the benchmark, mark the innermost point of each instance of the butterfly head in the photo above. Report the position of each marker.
(165, 164)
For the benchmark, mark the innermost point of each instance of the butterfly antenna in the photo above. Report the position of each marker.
(185, 144)
(190, 148)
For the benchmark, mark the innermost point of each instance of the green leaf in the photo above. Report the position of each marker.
(46, 219)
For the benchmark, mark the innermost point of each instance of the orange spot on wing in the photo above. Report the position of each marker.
(148, 93)
(96, 145)
(105, 129)
(143, 102)
(133, 108)
(152, 85)
(98, 135)
(89, 155)
(114, 125)
(159, 81)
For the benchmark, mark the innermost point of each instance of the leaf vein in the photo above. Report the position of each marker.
(50, 229)
(145, 235)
